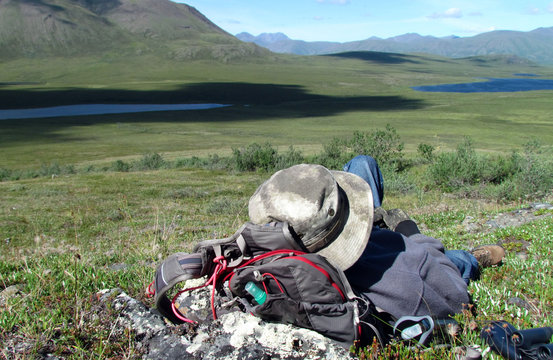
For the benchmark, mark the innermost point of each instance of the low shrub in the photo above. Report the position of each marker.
(533, 178)
(89, 169)
(289, 158)
(255, 157)
(497, 169)
(451, 171)
(216, 162)
(383, 145)
(521, 175)
(120, 166)
(335, 154)
(150, 161)
(49, 169)
(193, 162)
(5, 174)
(396, 182)
(518, 176)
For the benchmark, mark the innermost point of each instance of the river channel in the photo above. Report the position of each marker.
(98, 109)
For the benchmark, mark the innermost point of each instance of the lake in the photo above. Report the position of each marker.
(491, 85)
(99, 109)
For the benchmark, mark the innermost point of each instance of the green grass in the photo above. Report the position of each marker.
(58, 250)
(316, 97)
(64, 237)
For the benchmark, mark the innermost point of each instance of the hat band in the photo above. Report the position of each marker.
(331, 232)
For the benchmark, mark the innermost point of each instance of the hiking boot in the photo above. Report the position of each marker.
(394, 216)
(378, 218)
(396, 220)
(488, 255)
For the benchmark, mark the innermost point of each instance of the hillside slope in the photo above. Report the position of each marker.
(31, 28)
(35, 28)
(159, 19)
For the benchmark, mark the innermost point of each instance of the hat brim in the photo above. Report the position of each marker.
(346, 249)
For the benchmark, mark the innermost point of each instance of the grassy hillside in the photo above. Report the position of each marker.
(117, 27)
(30, 28)
(317, 97)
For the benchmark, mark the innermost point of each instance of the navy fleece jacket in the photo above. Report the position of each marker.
(408, 276)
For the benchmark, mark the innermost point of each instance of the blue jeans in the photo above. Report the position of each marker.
(367, 168)
(465, 262)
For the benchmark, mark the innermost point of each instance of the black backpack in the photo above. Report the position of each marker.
(267, 270)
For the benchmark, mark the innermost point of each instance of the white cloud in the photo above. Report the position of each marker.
(550, 7)
(449, 13)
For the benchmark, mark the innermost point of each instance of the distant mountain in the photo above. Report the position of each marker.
(281, 43)
(536, 45)
(33, 28)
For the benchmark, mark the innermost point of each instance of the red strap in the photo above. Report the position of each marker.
(275, 279)
(219, 268)
(149, 291)
(264, 256)
(325, 273)
(272, 253)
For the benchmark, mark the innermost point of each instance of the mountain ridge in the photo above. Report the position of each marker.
(535, 45)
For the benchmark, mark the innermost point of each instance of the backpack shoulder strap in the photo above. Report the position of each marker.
(176, 268)
(247, 242)
(251, 240)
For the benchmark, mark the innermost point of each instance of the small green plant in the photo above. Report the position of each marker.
(543, 212)
(89, 168)
(426, 152)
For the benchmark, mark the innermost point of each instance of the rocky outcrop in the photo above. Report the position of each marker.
(533, 212)
(234, 335)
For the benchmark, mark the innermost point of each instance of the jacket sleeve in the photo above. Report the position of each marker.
(428, 241)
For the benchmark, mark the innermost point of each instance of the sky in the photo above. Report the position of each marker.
(350, 20)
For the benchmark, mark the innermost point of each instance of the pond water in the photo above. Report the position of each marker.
(491, 85)
(99, 109)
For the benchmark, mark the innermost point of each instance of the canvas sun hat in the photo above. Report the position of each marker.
(331, 211)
